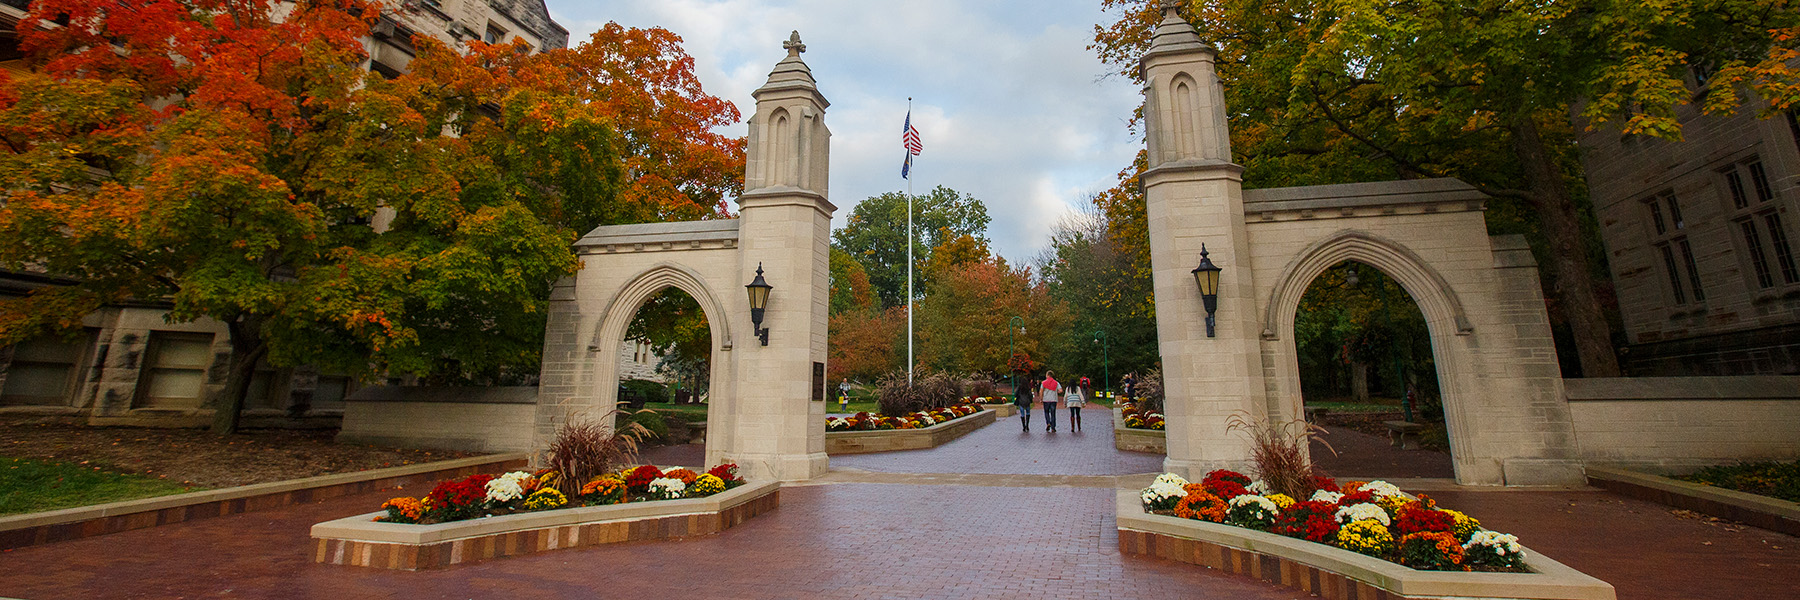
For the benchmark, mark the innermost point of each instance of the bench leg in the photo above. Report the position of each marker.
(1393, 437)
(1409, 441)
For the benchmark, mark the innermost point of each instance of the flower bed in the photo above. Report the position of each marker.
(902, 436)
(864, 421)
(1140, 419)
(635, 505)
(1374, 518)
(482, 495)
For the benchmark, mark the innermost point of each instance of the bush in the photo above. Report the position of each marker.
(584, 449)
(650, 391)
(1773, 479)
(652, 423)
(980, 386)
(1150, 391)
(1279, 451)
(932, 391)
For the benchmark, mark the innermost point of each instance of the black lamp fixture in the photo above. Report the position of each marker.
(759, 300)
(1207, 276)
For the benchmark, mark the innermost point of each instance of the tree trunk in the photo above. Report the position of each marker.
(247, 349)
(1359, 381)
(1568, 252)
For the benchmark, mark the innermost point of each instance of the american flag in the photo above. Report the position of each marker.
(909, 137)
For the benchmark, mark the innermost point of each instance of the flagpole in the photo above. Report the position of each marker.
(909, 262)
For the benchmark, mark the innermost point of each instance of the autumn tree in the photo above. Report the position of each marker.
(1330, 91)
(229, 157)
(1088, 270)
(875, 234)
(964, 318)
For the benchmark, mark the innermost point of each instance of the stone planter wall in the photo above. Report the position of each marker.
(860, 442)
(1773, 514)
(18, 531)
(1334, 573)
(1002, 411)
(361, 541)
(1137, 440)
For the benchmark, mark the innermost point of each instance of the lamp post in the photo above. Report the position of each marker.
(759, 300)
(1105, 361)
(1010, 352)
(1207, 277)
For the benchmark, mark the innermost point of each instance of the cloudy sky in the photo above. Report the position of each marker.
(1011, 105)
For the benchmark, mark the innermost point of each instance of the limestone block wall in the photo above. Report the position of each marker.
(1673, 425)
(495, 419)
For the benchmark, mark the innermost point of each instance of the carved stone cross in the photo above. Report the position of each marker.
(793, 45)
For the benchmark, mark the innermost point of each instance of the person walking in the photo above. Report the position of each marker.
(1022, 400)
(1047, 393)
(1129, 385)
(1075, 399)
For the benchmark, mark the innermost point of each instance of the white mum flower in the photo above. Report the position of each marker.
(1362, 512)
(1162, 490)
(1327, 496)
(1171, 478)
(1258, 487)
(667, 485)
(1381, 488)
(504, 489)
(1264, 503)
(1502, 543)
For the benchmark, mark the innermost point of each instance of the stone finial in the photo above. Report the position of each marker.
(793, 44)
(1168, 5)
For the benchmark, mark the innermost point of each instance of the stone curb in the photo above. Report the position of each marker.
(87, 521)
(1333, 572)
(1137, 440)
(1768, 513)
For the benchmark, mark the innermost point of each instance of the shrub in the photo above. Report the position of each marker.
(655, 428)
(932, 391)
(1773, 479)
(1150, 391)
(980, 386)
(584, 449)
(1279, 452)
(650, 391)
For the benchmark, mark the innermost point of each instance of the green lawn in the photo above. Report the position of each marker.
(688, 412)
(1376, 405)
(33, 486)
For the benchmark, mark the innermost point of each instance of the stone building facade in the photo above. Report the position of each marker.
(1701, 236)
(128, 365)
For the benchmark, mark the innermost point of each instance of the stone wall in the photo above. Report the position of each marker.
(497, 419)
(1677, 424)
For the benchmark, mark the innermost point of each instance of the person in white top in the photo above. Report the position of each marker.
(1050, 389)
(1075, 401)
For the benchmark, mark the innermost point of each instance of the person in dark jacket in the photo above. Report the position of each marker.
(1022, 399)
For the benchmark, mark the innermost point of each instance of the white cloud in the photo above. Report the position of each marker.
(1011, 105)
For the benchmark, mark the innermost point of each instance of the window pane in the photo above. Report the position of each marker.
(183, 352)
(51, 349)
(1674, 275)
(175, 384)
(1687, 259)
(1761, 180)
(37, 383)
(1674, 211)
(1754, 243)
(1784, 256)
(1656, 216)
(1735, 183)
(330, 392)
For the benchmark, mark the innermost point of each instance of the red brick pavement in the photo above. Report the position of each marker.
(1363, 456)
(1643, 549)
(1001, 448)
(831, 541)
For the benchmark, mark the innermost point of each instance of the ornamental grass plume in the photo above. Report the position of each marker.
(586, 448)
(1279, 451)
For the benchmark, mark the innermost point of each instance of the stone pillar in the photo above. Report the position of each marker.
(1194, 200)
(786, 231)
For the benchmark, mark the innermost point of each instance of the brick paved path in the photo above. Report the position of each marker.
(925, 524)
(1001, 448)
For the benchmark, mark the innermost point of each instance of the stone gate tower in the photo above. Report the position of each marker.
(1194, 200)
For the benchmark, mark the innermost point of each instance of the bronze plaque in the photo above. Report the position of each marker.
(818, 382)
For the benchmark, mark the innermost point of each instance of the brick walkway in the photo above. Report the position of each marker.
(1002, 448)
(995, 514)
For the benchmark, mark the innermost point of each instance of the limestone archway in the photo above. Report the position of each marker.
(609, 334)
(1480, 295)
(1436, 299)
(767, 411)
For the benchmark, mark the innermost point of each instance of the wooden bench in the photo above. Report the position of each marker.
(1403, 434)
